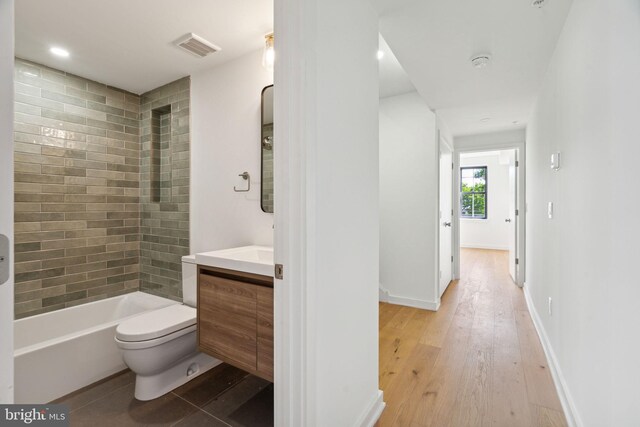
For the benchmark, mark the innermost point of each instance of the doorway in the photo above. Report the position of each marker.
(445, 215)
(489, 200)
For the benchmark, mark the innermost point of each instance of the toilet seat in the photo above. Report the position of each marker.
(156, 327)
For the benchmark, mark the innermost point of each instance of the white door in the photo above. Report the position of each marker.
(512, 218)
(6, 201)
(446, 203)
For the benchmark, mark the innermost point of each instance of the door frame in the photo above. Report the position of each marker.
(442, 139)
(6, 195)
(296, 72)
(521, 219)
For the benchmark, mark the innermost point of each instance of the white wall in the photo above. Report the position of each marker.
(490, 233)
(225, 141)
(6, 195)
(445, 132)
(490, 140)
(408, 201)
(327, 222)
(345, 212)
(585, 258)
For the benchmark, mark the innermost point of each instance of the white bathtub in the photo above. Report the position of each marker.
(59, 352)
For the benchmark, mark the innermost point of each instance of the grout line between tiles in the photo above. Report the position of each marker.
(199, 410)
(229, 387)
(104, 396)
(237, 384)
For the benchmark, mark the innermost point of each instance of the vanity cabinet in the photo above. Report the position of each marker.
(235, 319)
(265, 331)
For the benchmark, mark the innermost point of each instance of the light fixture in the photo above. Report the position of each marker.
(58, 51)
(380, 54)
(485, 119)
(269, 54)
(481, 61)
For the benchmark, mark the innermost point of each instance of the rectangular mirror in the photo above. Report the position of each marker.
(266, 144)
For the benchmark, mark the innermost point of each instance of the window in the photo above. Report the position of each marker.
(473, 192)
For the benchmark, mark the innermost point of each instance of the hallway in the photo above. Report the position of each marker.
(476, 362)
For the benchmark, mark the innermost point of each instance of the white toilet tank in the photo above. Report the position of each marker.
(189, 280)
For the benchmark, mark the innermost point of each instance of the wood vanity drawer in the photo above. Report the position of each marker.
(235, 319)
(228, 319)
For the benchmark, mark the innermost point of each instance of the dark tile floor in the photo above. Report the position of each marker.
(224, 396)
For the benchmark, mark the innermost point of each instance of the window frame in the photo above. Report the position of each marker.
(485, 192)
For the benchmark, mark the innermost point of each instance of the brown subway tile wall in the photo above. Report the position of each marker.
(79, 192)
(164, 193)
(77, 201)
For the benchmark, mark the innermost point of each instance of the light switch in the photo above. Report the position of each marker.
(550, 210)
(555, 161)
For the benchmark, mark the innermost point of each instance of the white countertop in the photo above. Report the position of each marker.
(248, 259)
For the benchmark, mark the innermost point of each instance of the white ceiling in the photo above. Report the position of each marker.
(393, 79)
(129, 43)
(434, 41)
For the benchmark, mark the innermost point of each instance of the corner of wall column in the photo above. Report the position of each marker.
(6, 196)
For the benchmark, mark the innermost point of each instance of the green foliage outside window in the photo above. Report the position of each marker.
(473, 192)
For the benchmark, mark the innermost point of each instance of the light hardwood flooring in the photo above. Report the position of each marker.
(476, 362)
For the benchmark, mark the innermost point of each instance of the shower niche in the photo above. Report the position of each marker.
(160, 170)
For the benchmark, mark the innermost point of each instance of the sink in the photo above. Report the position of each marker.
(249, 259)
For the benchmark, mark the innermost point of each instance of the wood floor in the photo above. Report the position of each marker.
(476, 362)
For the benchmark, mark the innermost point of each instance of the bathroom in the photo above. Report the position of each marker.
(132, 153)
(325, 228)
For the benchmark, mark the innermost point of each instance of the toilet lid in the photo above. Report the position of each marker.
(157, 323)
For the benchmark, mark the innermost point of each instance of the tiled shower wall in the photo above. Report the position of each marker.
(77, 190)
(267, 171)
(164, 198)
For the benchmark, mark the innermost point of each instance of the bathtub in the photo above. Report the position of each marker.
(59, 352)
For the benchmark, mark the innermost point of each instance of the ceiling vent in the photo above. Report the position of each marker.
(196, 45)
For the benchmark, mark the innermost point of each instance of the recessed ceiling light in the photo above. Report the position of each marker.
(58, 51)
(380, 54)
(481, 61)
(485, 119)
(538, 3)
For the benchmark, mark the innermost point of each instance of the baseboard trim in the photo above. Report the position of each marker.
(373, 412)
(415, 303)
(568, 405)
(383, 294)
(491, 247)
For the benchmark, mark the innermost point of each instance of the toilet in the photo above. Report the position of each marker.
(160, 346)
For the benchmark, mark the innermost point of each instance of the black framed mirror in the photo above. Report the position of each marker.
(266, 150)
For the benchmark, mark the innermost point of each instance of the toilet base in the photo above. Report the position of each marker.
(153, 386)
